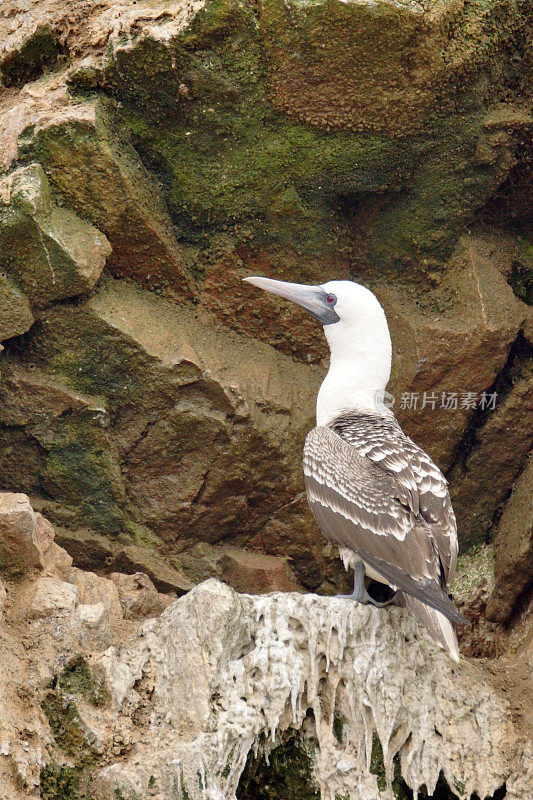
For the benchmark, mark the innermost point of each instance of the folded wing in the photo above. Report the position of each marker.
(376, 511)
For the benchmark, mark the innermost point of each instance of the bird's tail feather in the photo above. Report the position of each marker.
(438, 626)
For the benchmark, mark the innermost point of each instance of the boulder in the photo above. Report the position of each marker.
(134, 559)
(45, 597)
(95, 591)
(48, 251)
(138, 596)
(513, 550)
(224, 670)
(255, 573)
(24, 535)
(101, 176)
(291, 532)
(57, 562)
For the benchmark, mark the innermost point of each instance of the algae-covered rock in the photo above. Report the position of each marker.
(379, 65)
(97, 172)
(48, 251)
(15, 310)
(28, 54)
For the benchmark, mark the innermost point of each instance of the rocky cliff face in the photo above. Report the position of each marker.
(151, 406)
(339, 700)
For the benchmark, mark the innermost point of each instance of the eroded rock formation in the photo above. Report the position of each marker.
(153, 409)
(96, 704)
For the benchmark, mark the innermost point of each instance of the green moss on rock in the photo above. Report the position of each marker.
(288, 774)
(38, 52)
(82, 470)
(59, 783)
(67, 727)
(76, 678)
(229, 156)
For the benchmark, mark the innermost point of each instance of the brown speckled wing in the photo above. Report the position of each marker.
(425, 488)
(361, 505)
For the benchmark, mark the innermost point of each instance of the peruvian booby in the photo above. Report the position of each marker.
(372, 490)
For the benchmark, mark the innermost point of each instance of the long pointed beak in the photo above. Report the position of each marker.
(312, 298)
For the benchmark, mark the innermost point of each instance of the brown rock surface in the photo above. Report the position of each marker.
(513, 550)
(167, 579)
(15, 310)
(256, 573)
(138, 596)
(491, 458)
(24, 535)
(95, 590)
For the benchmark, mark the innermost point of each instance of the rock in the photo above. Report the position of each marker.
(180, 389)
(24, 535)
(256, 573)
(490, 459)
(92, 627)
(460, 346)
(49, 251)
(57, 562)
(292, 532)
(85, 75)
(312, 74)
(15, 310)
(26, 54)
(244, 570)
(97, 591)
(265, 665)
(27, 394)
(134, 559)
(513, 550)
(45, 597)
(89, 550)
(3, 595)
(102, 177)
(199, 562)
(138, 596)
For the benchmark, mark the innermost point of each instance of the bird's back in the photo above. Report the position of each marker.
(375, 492)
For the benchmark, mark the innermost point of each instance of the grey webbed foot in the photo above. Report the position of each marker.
(380, 594)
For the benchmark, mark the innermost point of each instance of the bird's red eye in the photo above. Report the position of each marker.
(330, 298)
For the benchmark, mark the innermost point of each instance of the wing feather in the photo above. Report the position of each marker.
(360, 505)
(382, 440)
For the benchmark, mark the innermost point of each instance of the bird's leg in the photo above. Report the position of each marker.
(360, 594)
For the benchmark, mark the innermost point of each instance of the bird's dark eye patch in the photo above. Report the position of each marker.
(331, 299)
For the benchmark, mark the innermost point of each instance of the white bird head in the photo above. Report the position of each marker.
(331, 303)
(358, 336)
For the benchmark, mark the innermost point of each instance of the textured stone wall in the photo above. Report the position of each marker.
(219, 695)
(152, 406)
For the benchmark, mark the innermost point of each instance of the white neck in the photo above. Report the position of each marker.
(359, 369)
